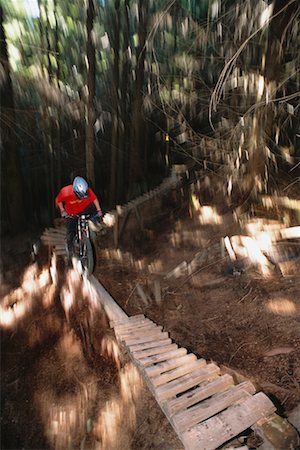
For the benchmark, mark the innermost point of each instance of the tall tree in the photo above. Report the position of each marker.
(90, 119)
(12, 208)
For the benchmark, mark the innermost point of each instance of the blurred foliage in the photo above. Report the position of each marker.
(220, 76)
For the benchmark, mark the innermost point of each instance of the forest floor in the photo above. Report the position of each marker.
(237, 318)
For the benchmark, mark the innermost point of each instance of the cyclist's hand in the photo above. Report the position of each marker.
(64, 214)
(99, 214)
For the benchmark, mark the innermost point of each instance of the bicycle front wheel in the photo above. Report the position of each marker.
(87, 256)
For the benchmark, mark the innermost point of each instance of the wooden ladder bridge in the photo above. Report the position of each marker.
(205, 405)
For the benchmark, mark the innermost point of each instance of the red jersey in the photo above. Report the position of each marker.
(73, 204)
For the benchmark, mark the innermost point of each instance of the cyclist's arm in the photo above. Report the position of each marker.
(97, 205)
(60, 205)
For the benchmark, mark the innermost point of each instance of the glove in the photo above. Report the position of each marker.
(64, 214)
(97, 218)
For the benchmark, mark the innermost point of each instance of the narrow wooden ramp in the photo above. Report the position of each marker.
(205, 408)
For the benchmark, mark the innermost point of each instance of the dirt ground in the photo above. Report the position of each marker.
(59, 391)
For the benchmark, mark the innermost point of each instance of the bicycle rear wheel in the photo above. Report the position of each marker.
(87, 256)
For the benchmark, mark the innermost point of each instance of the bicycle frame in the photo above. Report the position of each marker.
(83, 230)
(85, 246)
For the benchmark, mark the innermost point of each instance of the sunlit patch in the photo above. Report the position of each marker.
(12, 312)
(109, 219)
(53, 269)
(64, 418)
(111, 350)
(29, 283)
(48, 296)
(282, 307)
(69, 345)
(67, 300)
(247, 247)
(209, 216)
(120, 412)
(266, 15)
(13, 308)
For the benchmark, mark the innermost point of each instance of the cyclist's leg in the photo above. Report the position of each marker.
(71, 223)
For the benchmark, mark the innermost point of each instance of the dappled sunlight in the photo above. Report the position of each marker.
(282, 307)
(19, 302)
(66, 415)
(119, 414)
(247, 247)
(209, 216)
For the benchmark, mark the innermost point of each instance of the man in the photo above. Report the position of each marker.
(76, 199)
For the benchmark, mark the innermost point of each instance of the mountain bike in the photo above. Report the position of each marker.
(84, 248)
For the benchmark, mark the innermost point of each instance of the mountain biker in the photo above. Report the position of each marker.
(76, 199)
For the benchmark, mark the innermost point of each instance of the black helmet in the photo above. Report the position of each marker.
(80, 187)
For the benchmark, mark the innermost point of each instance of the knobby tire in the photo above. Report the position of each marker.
(87, 257)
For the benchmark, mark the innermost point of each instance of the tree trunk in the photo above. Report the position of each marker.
(13, 214)
(90, 120)
(123, 165)
(137, 119)
(115, 114)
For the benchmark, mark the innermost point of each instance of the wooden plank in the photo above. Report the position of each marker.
(158, 369)
(143, 339)
(163, 347)
(150, 344)
(186, 382)
(184, 420)
(290, 233)
(128, 319)
(205, 390)
(131, 326)
(52, 239)
(219, 429)
(139, 332)
(163, 357)
(178, 372)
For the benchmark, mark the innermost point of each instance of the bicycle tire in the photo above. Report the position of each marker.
(87, 256)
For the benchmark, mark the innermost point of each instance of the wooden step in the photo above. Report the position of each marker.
(144, 339)
(187, 419)
(152, 348)
(205, 390)
(171, 363)
(186, 382)
(166, 356)
(139, 332)
(205, 408)
(174, 374)
(219, 429)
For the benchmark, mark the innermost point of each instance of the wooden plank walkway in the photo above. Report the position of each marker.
(205, 408)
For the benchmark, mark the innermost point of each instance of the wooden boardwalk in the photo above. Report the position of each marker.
(205, 408)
